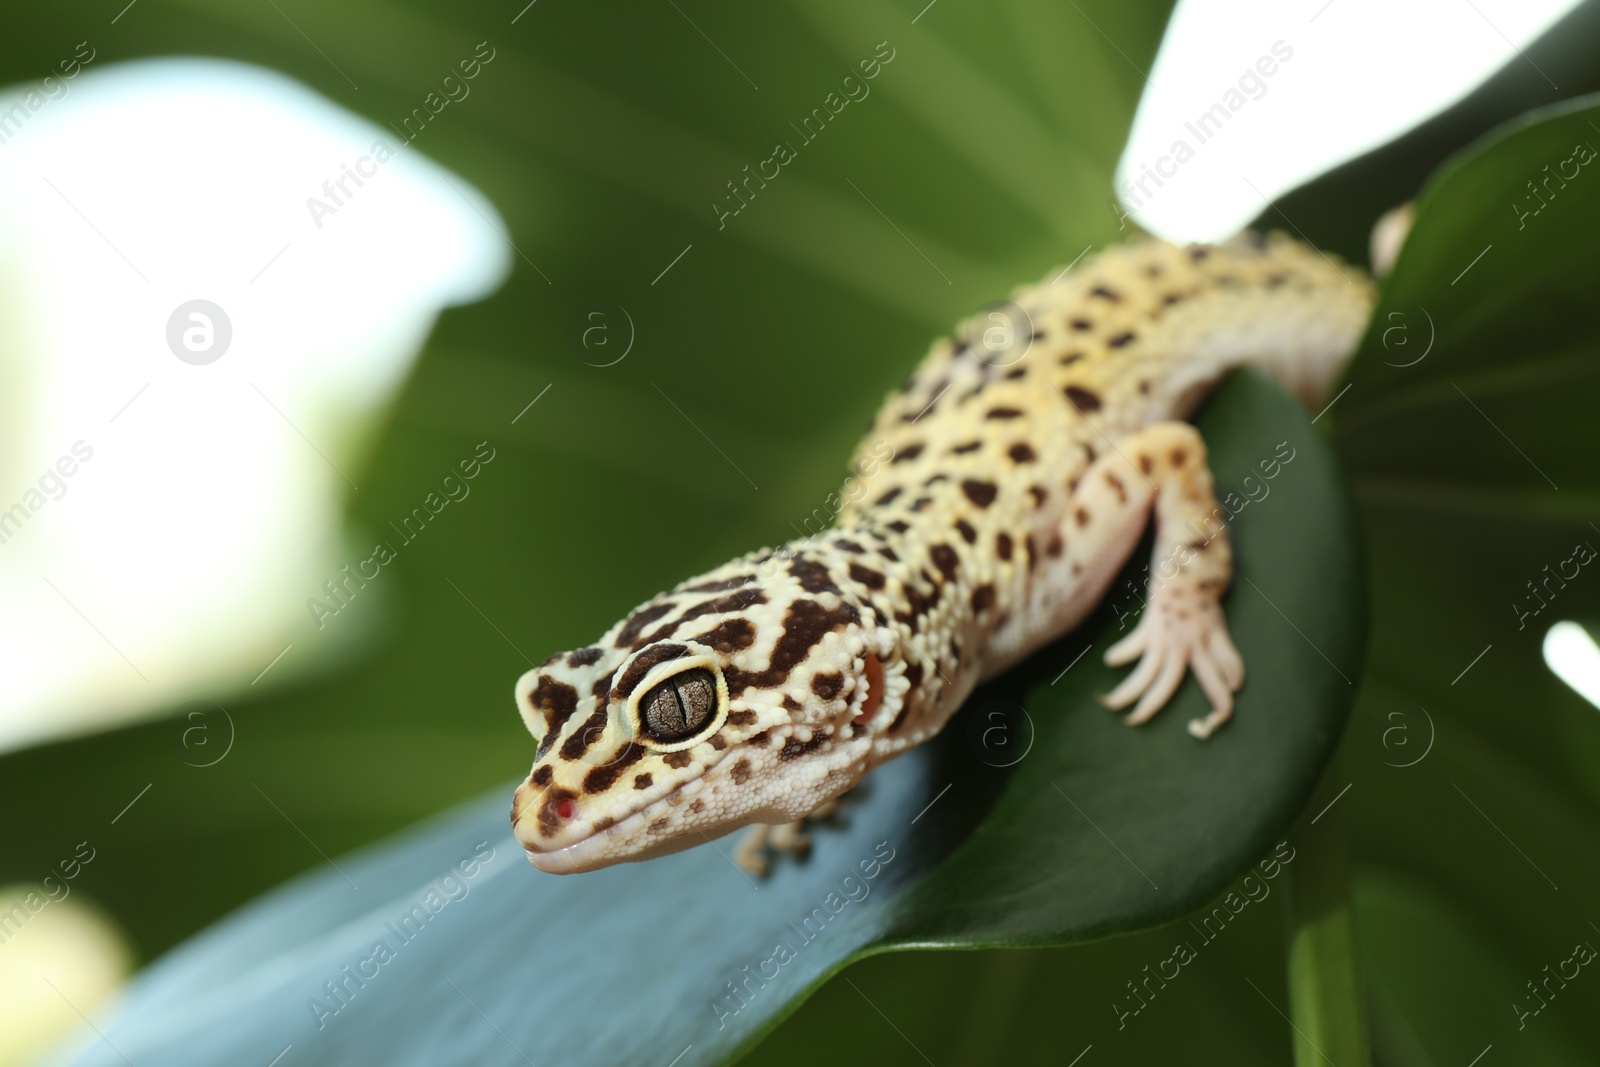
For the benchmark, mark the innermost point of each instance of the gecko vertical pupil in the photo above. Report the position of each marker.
(675, 709)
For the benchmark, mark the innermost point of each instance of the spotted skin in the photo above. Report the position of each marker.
(992, 503)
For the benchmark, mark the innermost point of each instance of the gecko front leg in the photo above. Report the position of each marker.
(1160, 469)
(1191, 565)
(791, 837)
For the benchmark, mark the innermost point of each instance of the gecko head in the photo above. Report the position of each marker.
(739, 697)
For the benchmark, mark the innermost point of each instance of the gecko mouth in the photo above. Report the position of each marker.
(614, 844)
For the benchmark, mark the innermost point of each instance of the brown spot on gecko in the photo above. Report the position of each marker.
(982, 598)
(813, 576)
(730, 635)
(968, 534)
(1004, 413)
(740, 772)
(586, 657)
(1022, 453)
(543, 775)
(602, 778)
(677, 760)
(908, 453)
(556, 700)
(1116, 483)
(827, 686)
(641, 665)
(1003, 546)
(866, 576)
(722, 585)
(576, 745)
(639, 620)
(970, 446)
(805, 624)
(793, 748)
(945, 559)
(743, 600)
(1085, 400)
(1121, 339)
(980, 493)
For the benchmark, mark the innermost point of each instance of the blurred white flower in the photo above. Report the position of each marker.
(194, 356)
(1248, 99)
(59, 955)
(1570, 652)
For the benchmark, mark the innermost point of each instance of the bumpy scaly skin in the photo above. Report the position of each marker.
(993, 502)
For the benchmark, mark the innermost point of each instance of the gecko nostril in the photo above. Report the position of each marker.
(566, 809)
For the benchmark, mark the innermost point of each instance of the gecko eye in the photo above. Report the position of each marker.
(680, 707)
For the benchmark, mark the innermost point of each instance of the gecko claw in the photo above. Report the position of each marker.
(1169, 644)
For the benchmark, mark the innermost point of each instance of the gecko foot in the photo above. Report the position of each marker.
(1176, 635)
(791, 837)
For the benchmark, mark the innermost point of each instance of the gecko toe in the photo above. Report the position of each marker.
(1133, 684)
(1128, 649)
(1156, 697)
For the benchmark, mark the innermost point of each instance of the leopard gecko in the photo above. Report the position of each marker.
(993, 502)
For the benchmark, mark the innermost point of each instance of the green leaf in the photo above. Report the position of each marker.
(1094, 828)
(1468, 431)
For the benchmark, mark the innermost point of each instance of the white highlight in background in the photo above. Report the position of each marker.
(1571, 653)
(1358, 74)
(179, 556)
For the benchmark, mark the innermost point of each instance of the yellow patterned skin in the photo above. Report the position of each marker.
(996, 497)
